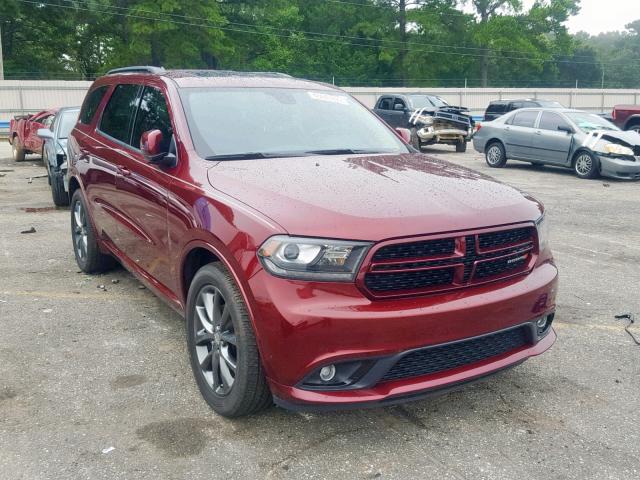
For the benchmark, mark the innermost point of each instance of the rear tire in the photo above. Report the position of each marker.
(415, 140)
(60, 197)
(17, 150)
(461, 147)
(222, 345)
(495, 155)
(585, 165)
(85, 247)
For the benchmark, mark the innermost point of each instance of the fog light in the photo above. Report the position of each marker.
(327, 373)
(541, 323)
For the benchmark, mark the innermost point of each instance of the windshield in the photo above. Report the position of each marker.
(278, 122)
(67, 122)
(549, 104)
(588, 122)
(428, 101)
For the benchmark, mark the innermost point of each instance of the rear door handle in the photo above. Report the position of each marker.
(538, 132)
(124, 171)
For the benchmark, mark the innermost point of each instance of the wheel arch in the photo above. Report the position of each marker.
(198, 253)
(631, 121)
(492, 140)
(74, 185)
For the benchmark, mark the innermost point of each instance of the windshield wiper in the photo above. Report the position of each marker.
(236, 156)
(341, 151)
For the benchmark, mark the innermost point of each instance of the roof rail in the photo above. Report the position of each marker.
(137, 69)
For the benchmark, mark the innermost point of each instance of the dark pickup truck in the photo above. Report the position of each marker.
(627, 117)
(429, 118)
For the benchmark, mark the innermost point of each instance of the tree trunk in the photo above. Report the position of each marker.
(402, 21)
(484, 68)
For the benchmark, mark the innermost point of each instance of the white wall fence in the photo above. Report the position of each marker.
(20, 96)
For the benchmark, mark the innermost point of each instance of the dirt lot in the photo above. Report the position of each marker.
(95, 383)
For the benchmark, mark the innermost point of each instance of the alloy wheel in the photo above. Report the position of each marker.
(494, 155)
(584, 164)
(215, 340)
(80, 234)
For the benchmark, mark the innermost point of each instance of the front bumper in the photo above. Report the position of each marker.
(621, 169)
(302, 326)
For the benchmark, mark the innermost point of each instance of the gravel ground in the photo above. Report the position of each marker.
(95, 383)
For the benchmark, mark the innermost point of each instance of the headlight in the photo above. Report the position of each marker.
(312, 258)
(616, 149)
(543, 233)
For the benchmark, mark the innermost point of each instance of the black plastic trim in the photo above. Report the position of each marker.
(387, 402)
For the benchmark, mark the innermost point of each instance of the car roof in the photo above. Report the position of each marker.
(218, 78)
(550, 109)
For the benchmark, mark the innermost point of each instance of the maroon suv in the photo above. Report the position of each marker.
(319, 261)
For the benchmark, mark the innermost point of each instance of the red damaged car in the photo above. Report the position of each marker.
(23, 133)
(320, 262)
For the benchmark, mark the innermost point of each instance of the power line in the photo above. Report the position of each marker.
(321, 34)
(207, 24)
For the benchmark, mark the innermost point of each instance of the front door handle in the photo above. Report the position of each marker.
(124, 171)
(538, 132)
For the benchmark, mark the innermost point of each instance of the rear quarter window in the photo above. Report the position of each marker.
(91, 104)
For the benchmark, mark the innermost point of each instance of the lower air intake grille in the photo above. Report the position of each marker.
(446, 357)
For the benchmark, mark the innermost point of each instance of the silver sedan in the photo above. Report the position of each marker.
(583, 141)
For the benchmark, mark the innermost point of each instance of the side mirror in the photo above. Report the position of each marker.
(399, 107)
(45, 133)
(151, 147)
(404, 134)
(565, 129)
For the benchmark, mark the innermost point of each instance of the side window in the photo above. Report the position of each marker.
(153, 114)
(524, 119)
(399, 101)
(529, 104)
(385, 104)
(515, 105)
(118, 114)
(496, 108)
(551, 121)
(91, 103)
(47, 121)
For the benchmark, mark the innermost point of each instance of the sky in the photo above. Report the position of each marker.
(597, 16)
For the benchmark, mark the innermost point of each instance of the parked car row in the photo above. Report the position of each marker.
(320, 260)
(46, 133)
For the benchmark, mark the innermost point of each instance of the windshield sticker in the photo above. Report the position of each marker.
(328, 97)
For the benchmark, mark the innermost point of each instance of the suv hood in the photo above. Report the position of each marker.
(371, 197)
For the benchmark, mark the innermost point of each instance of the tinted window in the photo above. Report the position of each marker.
(153, 114)
(551, 121)
(496, 108)
(399, 101)
(118, 114)
(91, 103)
(524, 119)
(385, 104)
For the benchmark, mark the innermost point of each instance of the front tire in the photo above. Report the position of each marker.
(415, 140)
(585, 165)
(85, 247)
(222, 345)
(17, 150)
(495, 155)
(60, 196)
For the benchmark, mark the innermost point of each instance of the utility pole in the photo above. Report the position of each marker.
(1, 62)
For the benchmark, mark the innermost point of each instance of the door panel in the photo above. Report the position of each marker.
(550, 144)
(518, 134)
(142, 190)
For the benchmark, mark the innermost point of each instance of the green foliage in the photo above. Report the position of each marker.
(446, 43)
